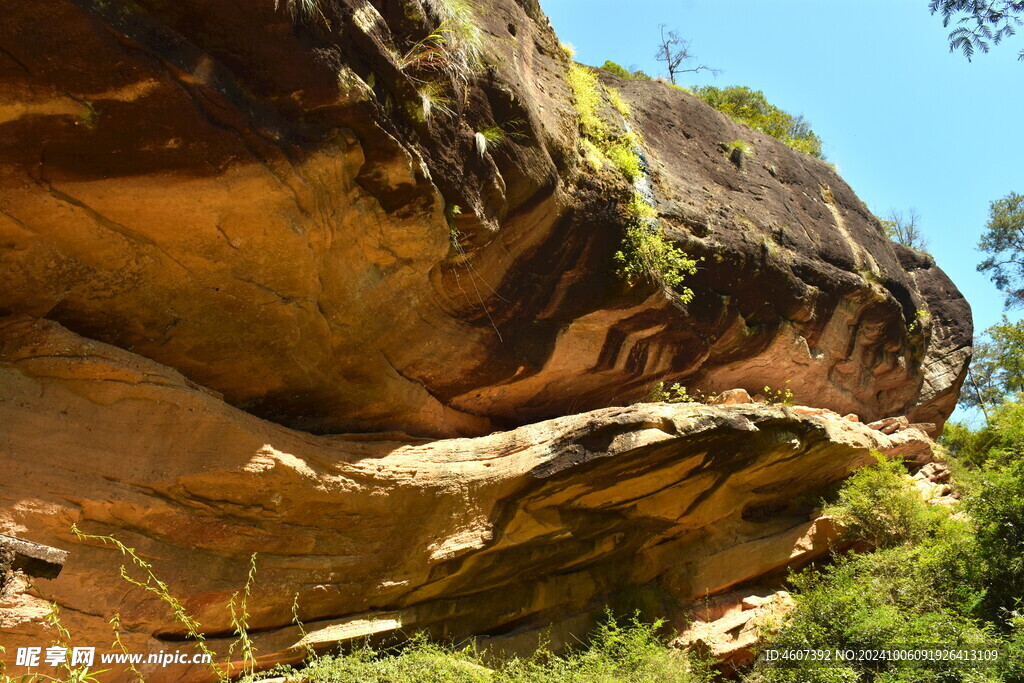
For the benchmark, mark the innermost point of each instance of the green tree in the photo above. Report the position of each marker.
(751, 108)
(905, 229)
(997, 368)
(1003, 241)
(979, 23)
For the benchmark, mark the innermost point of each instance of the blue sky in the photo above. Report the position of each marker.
(908, 123)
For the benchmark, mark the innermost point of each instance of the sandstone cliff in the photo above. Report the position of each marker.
(262, 206)
(500, 536)
(258, 275)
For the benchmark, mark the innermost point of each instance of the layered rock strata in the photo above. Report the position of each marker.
(294, 212)
(495, 536)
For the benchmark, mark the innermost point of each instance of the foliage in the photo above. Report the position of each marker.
(782, 396)
(630, 651)
(150, 583)
(675, 393)
(587, 96)
(646, 254)
(978, 22)
(462, 33)
(615, 97)
(675, 53)
(904, 228)
(238, 606)
(617, 69)
(497, 135)
(751, 108)
(622, 154)
(900, 597)
(997, 507)
(308, 12)
(922, 318)
(433, 100)
(924, 585)
(1003, 241)
(742, 147)
(997, 367)
(997, 444)
(878, 506)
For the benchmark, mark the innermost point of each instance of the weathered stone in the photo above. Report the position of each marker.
(728, 626)
(510, 532)
(32, 558)
(260, 206)
(889, 425)
(731, 397)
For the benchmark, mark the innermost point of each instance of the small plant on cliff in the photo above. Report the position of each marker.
(615, 97)
(586, 92)
(497, 135)
(922, 318)
(783, 397)
(647, 255)
(304, 11)
(150, 583)
(238, 606)
(675, 393)
(432, 101)
(741, 147)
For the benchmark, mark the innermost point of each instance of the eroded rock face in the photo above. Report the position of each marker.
(263, 206)
(493, 536)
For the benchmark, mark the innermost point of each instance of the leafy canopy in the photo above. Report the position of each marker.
(1003, 241)
(997, 368)
(751, 108)
(979, 23)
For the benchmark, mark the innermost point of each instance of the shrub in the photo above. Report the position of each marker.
(647, 254)
(900, 597)
(741, 147)
(629, 651)
(622, 72)
(624, 158)
(751, 108)
(675, 393)
(617, 69)
(586, 92)
(999, 443)
(997, 506)
(878, 506)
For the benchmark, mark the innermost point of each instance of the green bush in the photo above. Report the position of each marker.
(617, 69)
(629, 651)
(902, 596)
(751, 108)
(622, 72)
(646, 253)
(999, 443)
(996, 504)
(878, 506)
